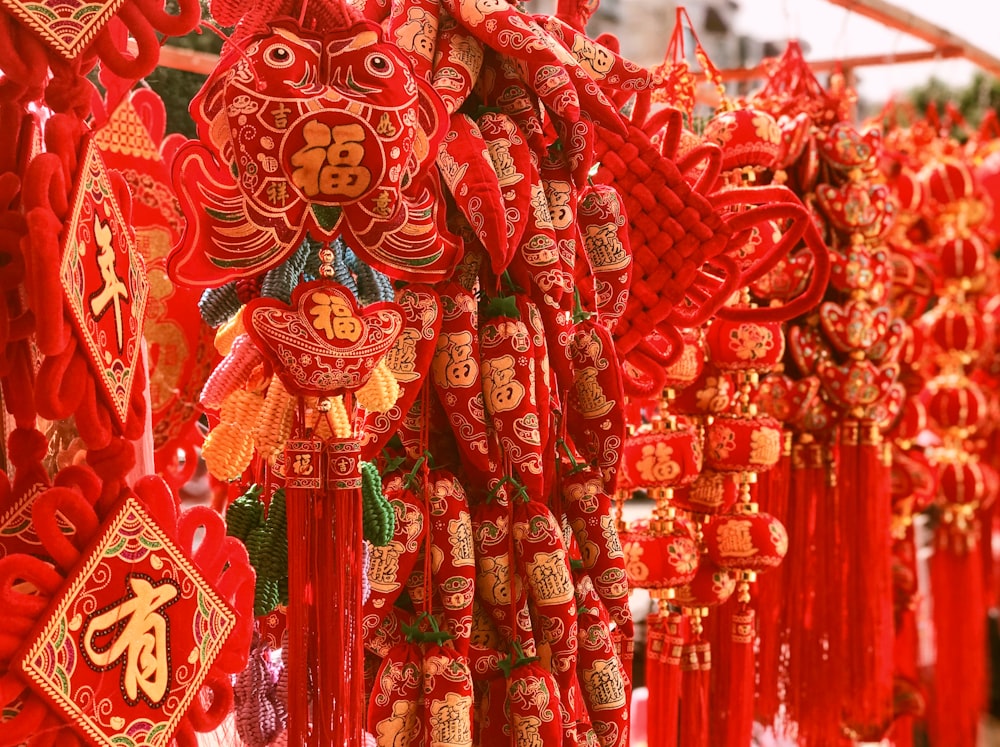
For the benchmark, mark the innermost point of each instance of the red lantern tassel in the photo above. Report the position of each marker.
(674, 635)
(773, 487)
(813, 619)
(718, 627)
(959, 621)
(324, 606)
(341, 654)
(739, 719)
(696, 672)
(654, 679)
(300, 497)
(866, 517)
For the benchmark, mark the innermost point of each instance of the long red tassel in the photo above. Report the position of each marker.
(696, 670)
(674, 637)
(323, 497)
(717, 627)
(959, 620)
(300, 497)
(908, 697)
(773, 488)
(866, 517)
(816, 675)
(340, 654)
(739, 719)
(654, 679)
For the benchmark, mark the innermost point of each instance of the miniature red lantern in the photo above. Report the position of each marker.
(961, 406)
(743, 444)
(748, 138)
(746, 346)
(663, 459)
(746, 541)
(710, 587)
(659, 561)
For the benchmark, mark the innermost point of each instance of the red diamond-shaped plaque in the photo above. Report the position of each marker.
(66, 26)
(131, 638)
(104, 282)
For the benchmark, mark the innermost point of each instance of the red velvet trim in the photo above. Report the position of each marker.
(221, 692)
(27, 723)
(147, 45)
(185, 21)
(61, 383)
(64, 549)
(86, 481)
(17, 568)
(19, 385)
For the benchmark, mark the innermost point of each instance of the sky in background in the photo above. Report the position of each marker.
(834, 32)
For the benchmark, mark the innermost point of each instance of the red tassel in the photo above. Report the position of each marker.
(655, 667)
(739, 717)
(959, 692)
(812, 618)
(773, 487)
(696, 668)
(300, 495)
(866, 515)
(324, 608)
(339, 697)
(674, 635)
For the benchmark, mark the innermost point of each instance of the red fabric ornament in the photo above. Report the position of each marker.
(214, 584)
(459, 58)
(746, 541)
(498, 586)
(455, 373)
(595, 418)
(393, 709)
(409, 360)
(106, 295)
(745, 346)
(743, 444)
(508, 379)
(712, 493)
(606, 243)
(748, 138)
(453, 563)
(180, 344)
(322, 344)
(606, 691)
(543, 563)
(588, 509)
(371, 179)
(390, 565)
(663, 458)
(658, 560)
(447, 697)
(468, 169)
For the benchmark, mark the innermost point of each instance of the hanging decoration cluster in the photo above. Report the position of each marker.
(831, 433)
(437, 288)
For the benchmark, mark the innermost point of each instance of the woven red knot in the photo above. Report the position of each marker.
(674, 230)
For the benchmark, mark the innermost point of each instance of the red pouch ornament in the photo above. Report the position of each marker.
(589, 511)
(389, 565)
(393, 709)
(409, 361)
(453, 563)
